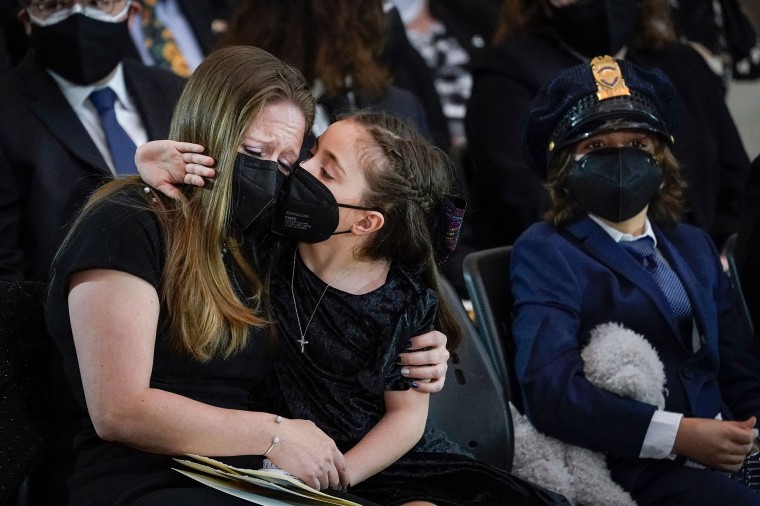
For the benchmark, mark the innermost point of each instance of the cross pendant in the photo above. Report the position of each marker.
(303, 342)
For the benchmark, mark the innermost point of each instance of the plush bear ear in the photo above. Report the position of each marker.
(624, 362)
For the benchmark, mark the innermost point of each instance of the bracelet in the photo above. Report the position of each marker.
(276, 439)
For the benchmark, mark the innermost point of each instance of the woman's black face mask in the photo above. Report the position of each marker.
(615, 183)
(306, 209)
(255, 184)
(595, 27)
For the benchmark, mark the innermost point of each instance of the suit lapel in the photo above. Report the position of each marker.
(698, 294)
(155, 110)
(47, 103)
(597, 243)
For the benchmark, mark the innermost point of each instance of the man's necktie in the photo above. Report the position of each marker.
(160, 42)
(119, 143)
(643, 251)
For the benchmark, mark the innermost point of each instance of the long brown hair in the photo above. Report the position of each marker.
(338, 42)
(667, 205)
(408, 179)
(655, 30)
(224, 94)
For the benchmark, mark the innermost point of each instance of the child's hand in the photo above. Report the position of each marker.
(166, 164)
(719, 444)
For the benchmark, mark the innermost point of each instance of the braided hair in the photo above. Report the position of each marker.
(409, 179)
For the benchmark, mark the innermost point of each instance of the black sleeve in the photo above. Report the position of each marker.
(121, 234)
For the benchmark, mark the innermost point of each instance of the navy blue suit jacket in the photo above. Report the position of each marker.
(567, 281)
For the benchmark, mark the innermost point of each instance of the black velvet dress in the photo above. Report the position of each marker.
(349, 361)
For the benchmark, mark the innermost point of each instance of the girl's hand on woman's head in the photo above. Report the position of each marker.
(166, 164)
(426, 362)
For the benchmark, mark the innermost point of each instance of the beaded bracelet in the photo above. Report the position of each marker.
(276, 439)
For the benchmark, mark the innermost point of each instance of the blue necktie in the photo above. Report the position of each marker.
(119, 143)
(643, 251)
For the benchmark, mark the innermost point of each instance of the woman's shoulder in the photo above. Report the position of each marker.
(118, 231)
(531, 57)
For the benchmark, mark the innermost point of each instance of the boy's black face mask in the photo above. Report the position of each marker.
(306, 209)
(615, 183)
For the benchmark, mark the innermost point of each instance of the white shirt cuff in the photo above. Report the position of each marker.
(661, 435)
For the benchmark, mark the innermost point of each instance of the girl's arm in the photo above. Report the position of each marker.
(114, 316)
(394, 435)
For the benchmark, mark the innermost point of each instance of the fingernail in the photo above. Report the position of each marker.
(415, 385)
(408, 345)
(404, 371)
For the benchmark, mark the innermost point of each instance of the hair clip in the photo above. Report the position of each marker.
(448, 227)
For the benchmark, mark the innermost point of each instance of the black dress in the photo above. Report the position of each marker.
(349, 361)
(120, 236)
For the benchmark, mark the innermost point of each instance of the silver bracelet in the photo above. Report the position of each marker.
(276, 439)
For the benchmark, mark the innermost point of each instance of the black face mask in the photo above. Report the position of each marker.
(615, 183)
(255, 184)
(596, 27)
(306, 209)
(80, 49)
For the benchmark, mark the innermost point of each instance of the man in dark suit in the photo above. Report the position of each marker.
(54, 150)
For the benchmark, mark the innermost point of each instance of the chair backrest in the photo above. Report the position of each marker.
(472, 407)
(486, 275)
(733, 272)
(24, 355)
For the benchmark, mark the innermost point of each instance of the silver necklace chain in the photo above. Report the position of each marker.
(303, 342)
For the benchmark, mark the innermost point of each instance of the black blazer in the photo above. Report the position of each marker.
(49, 165)
(509, 196)
(748, 247)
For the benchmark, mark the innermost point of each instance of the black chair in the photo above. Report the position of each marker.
(486, 275)
(733, 272)
(24, 353)
(472, 408)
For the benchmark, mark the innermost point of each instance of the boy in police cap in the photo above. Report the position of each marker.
(611, 250)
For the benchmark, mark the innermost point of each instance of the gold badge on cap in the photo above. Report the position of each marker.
(609, 79)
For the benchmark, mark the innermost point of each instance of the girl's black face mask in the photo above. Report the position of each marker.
(306, 209)
(615, 183)
(255, 184)
(596, 27)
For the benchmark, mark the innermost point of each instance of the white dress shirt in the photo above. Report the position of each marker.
(126, 112)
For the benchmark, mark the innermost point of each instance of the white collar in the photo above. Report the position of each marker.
(619, 236)
(77, 94)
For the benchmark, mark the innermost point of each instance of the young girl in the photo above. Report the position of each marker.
(361, 281)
